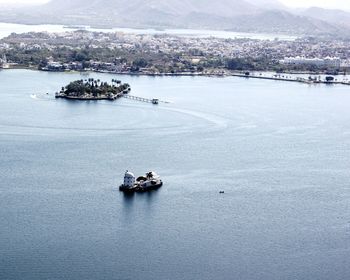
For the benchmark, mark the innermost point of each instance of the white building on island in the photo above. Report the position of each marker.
(129, 179)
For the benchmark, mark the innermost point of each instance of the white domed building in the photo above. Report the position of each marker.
(129, 179)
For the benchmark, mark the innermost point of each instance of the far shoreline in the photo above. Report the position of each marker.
(217, 33)
(241, 74)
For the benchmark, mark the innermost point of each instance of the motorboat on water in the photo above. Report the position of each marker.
(151, 181)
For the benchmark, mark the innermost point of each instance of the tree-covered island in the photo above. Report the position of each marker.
(91, 89)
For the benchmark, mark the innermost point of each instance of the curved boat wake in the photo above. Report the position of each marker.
(217, 122)
(42, 97)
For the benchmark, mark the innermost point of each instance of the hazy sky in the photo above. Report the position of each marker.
(343, 4)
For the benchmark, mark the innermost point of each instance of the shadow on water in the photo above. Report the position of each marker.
(128, 199)
(127, 204)
(151, 197)
(147, 199)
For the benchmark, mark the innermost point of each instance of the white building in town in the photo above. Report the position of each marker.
(298, 60)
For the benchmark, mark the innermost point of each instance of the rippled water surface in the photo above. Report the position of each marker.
(280, 151)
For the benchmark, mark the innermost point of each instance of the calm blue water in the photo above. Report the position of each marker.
(280, 151)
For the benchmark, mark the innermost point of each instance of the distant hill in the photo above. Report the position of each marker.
(278, 21)
(268, 4)
(123, 8)
(238, 15)
(338, 17)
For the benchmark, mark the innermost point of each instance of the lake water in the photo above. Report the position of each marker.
(280, 151)
(8, 28)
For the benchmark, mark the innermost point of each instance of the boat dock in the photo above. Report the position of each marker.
(142, 99)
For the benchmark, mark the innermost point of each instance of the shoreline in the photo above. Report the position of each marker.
(239, 74)
(86, 98)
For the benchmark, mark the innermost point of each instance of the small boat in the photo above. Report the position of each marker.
(151, 181)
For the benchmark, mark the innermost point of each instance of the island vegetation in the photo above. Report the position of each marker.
(93, 89)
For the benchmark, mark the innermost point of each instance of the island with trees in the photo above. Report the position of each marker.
(93, 89)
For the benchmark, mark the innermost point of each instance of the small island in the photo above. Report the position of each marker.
(91, 89)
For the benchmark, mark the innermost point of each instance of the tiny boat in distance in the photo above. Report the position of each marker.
(151, 181)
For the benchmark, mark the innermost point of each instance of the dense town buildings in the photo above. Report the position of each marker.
(124, 52)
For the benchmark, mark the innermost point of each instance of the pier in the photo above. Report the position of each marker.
(142, 99)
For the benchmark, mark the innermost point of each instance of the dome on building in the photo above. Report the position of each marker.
(129, 175)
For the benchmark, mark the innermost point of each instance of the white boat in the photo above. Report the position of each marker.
(151, 181)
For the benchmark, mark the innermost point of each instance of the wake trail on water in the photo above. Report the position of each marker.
(88, 129)
(218, 121)
(42, 97)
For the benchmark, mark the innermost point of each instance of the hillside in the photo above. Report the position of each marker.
(334, 16)
(238, 15)
(123, 8)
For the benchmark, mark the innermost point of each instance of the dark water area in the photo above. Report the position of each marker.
(280, 151)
